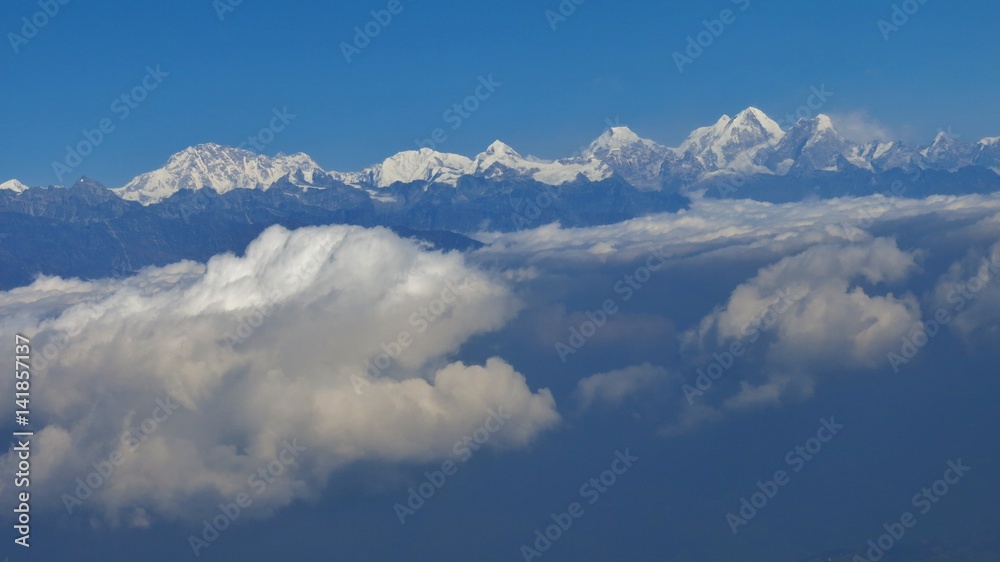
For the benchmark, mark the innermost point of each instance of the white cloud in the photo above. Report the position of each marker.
(859, 127)
(727, 227)
(808, 318)
(332, 298)
(613, 387)
(967, 296)
(850, 303)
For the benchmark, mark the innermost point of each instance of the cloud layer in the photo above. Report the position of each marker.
(336, 337)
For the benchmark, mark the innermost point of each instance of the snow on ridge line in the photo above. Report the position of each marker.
(749, 142)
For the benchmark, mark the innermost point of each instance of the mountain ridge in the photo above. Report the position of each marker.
(749, 144)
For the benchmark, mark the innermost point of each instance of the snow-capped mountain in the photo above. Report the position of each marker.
(886, 155)
(220, 168)
(424, 165)
(731, 143)
(639, 161)
(13, 185)
(749, 143)
(947, 153)
(811, 144)
(987, 154)
(501, 161)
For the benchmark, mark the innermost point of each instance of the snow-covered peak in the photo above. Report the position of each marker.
(732, 143)
(417, 165)
(637, 160)
(819, 128)
(813, 144)
(221, 168)
(500, 160)
(989, 141)
(500, 152)
(13, 185)
(754, 121)
(616, 138)
(884, 155)
(948, 153)
(942, 138)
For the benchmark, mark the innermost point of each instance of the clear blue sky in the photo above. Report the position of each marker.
(608, 59)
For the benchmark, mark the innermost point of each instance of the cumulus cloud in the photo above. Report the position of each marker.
(818, 314)
(836, 294)
(334, 338)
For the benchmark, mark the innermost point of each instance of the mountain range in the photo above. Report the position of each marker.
(209, 199)
(747, 145)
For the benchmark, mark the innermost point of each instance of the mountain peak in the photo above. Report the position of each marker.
(498, 148)
(824, 122)
(13, 185)
(218, 167)
(616, 139)
(942, 137)
(425, 164)
(623, 132)
(752, 117)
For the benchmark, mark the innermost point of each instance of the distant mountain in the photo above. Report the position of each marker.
(810, 145)
(210, 198)
(220, 168)
(89, 231)
(13, 185)
(731, 144)
(749, 145)
(637, 160)
(424, 165)
(500, 161)
(987, 154)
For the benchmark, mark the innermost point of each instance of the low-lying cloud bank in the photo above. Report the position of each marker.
(340, 340)
(188, 379)
(843, 284)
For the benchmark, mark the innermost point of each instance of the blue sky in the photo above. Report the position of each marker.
(558, 87)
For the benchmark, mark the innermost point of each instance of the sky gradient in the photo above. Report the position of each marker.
(559, 88)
